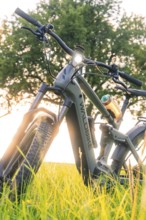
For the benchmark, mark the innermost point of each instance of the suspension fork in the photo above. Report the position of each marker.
(27, 119)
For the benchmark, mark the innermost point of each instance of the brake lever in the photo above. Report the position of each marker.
(39, 33)
(119, 82)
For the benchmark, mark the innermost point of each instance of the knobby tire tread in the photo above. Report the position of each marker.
(34, 157)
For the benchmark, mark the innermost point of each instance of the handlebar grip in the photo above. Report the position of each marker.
(31, 20)
(131, 79)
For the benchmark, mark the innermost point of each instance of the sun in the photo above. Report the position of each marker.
(61, 151)
(8, 127)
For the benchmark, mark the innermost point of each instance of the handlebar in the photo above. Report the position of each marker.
(124, 75)
(67, 49)
(28, 18)
(129, 78)
(48, 29)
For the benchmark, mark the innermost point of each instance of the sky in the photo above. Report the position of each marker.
(7, 7)
(134, 6)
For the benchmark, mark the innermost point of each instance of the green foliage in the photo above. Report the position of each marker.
(98, 26)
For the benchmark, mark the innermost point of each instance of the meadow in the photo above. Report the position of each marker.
(58, 193)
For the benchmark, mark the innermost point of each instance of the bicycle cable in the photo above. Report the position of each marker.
(47, 56)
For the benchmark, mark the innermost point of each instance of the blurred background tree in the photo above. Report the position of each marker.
(98, 26)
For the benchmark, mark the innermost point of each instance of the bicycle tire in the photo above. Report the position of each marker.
(39, 144)
(19, 152)
(122, 153)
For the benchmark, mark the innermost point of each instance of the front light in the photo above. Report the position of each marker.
(77, 59)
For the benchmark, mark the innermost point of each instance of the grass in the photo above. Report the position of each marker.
(58, 193)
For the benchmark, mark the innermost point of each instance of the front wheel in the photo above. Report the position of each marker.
(38, 140)
(122, 156)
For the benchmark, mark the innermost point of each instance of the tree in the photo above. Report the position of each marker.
(96, 25)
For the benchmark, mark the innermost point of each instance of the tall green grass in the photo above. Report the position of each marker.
(58, 193)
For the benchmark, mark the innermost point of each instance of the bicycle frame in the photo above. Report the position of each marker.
(71, 85)
(74, 110)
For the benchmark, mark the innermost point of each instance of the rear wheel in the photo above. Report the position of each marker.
(124, 161)
(37, 141)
